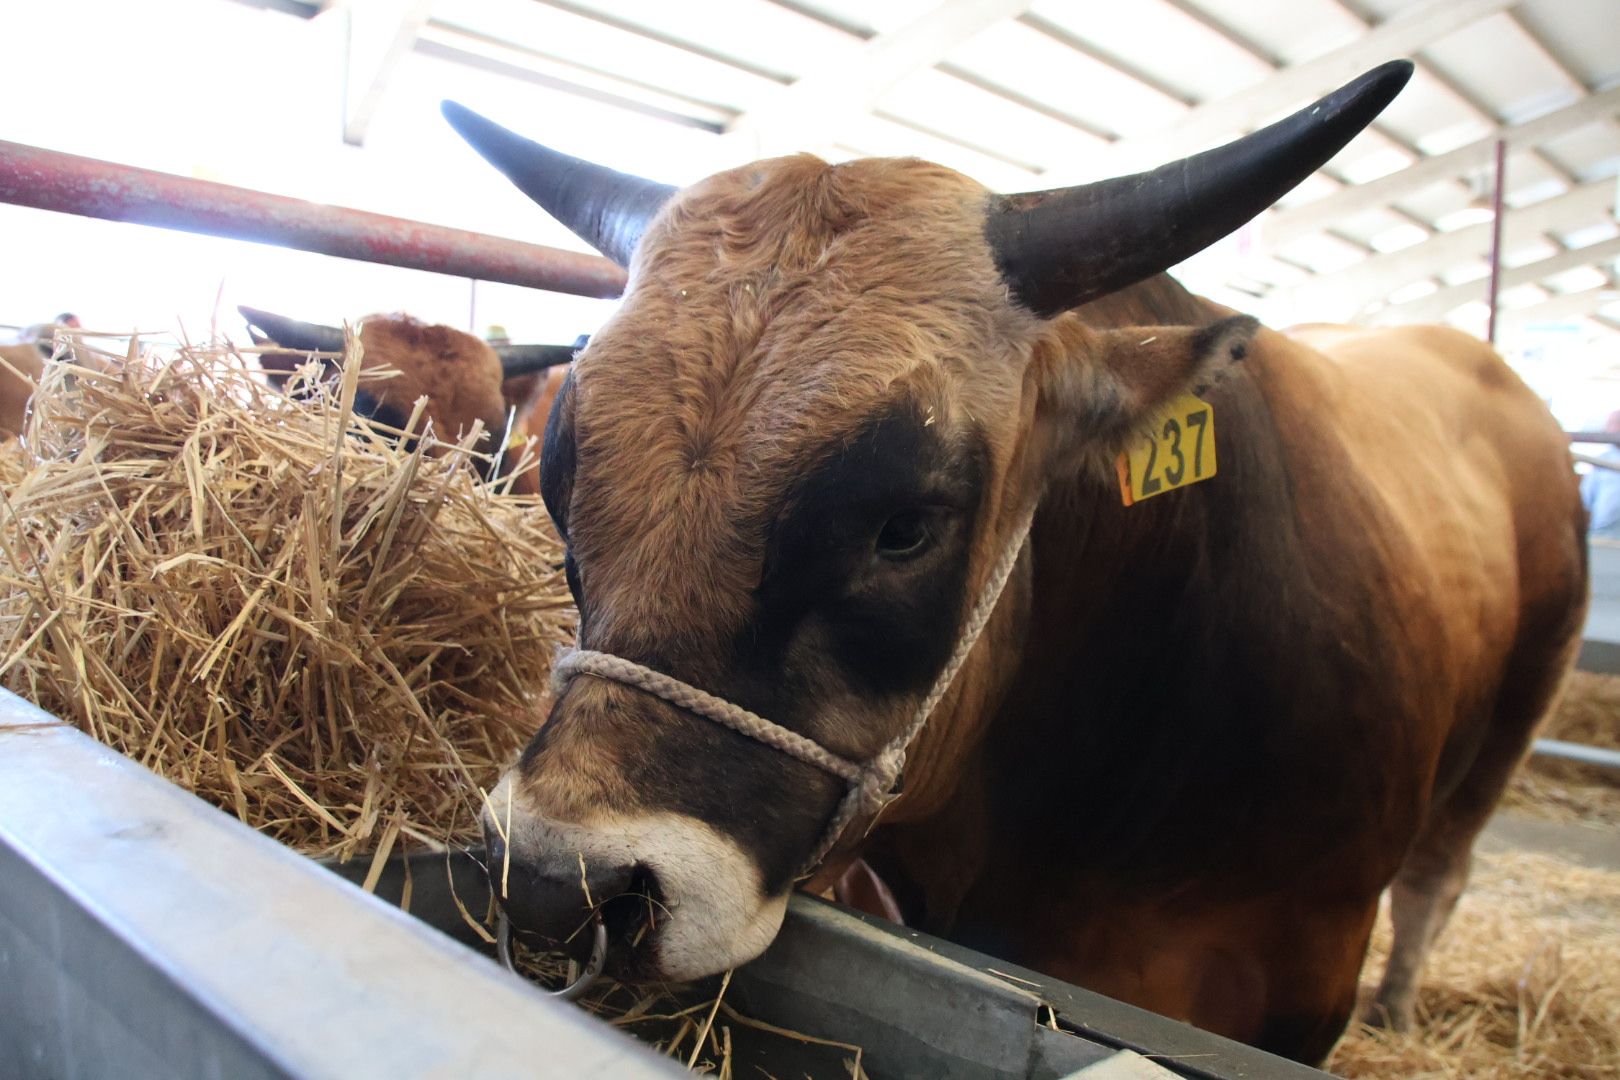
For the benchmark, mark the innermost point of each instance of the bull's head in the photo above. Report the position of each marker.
(784, 471)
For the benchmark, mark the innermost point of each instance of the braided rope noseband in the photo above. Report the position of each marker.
(872, 785)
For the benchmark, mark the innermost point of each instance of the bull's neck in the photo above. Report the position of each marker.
(952, 735)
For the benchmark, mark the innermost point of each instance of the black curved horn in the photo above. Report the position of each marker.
(606, 209)
(292, 334)
(527, 359)
(1057, 249)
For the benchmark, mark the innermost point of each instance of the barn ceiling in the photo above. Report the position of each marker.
(1027, 95)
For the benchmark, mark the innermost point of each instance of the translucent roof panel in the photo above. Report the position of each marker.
(1417, 290)
(1582, 277)
(763, 37)
(1504, 72)
(865, 15)
(1163, 40)
(597, 45)
(1292, 32)
(1435, 202)
(1430, 116)
(1595, 233)
(1323, 254)
(878, 136)
(1532, 252)
(1021, 136)
(1044, 69)
(1590, 152)
(1587, 235)
(1313, 187)
(1367, 227)
(1396, 237)
(1584, 35)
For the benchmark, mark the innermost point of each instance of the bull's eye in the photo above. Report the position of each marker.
(905, 535)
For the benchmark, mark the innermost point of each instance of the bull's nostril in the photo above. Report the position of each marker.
(637, 909)
(494, 854)
(552, 895)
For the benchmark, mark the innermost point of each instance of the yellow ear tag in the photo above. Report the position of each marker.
(1178, 450)
(517, 441)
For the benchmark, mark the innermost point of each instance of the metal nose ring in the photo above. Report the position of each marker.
(593, 966)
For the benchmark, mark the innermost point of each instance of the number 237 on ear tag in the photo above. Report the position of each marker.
(1178, 450)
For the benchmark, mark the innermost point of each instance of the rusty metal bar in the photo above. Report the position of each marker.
(50, 180)
(1610, 437)
(1496, 237)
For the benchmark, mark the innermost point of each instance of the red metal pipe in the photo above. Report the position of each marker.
(49, 180)
(1496, 237)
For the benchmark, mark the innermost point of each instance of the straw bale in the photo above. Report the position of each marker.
(270, 603)
(1559, 790)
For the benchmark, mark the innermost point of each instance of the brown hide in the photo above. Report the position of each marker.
(20, 369)
(1240, 704)
(528, 400)
(458, 375)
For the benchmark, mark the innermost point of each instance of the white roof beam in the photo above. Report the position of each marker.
(1564, 306)
(1346, 292)
(1436, 305)
(1400, 35)
(379, 35)
(807, 113)
(1286, 226)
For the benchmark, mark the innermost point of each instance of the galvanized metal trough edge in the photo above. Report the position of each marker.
(143, 932)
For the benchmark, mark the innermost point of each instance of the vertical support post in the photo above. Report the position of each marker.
(1496, 237)
(472, 307)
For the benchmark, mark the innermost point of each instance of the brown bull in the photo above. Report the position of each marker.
(1199, 735)
(508, 388)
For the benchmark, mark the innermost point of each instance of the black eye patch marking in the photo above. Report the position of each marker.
(873, 545)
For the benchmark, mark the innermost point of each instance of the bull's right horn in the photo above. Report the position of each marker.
(1057, 249)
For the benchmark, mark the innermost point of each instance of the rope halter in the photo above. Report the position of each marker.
(872, 785)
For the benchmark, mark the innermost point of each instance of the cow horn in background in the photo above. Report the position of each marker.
(606, 209)
(292, 334)
(1057, 249)
(527, 359)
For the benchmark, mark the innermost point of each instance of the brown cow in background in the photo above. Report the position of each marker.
(20, 369)
(464, 380)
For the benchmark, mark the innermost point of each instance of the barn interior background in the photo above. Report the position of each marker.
(337, 102)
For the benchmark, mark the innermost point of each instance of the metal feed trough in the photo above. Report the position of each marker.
(144, 933)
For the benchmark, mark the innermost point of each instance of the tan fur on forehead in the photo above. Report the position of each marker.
(773, 309)
(458, 374)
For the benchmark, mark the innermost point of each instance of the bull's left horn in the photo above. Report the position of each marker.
(606, 209)
(527, 359)
(1057, 249)
(292, 334)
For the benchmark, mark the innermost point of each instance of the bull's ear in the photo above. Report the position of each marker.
(1124, 378)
